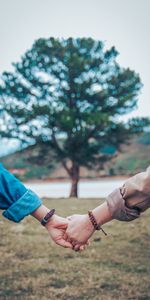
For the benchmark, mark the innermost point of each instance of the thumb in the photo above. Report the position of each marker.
(62, 223)
(65, 236)
(64, 243)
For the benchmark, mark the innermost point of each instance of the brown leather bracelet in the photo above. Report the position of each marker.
(47, 217)
(94, 222)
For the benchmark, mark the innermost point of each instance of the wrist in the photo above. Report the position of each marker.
(51, 222)
(102, 214)
(88, 224)
(40, 214)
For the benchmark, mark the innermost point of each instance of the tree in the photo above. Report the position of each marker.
(69, 95)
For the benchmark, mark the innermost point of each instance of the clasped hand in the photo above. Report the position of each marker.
(72, 232)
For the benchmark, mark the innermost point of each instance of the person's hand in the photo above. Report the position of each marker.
(79, 230)
(56, 229)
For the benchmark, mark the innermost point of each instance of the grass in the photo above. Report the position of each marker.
(113, 267)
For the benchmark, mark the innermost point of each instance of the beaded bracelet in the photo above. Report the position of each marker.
(94, 222)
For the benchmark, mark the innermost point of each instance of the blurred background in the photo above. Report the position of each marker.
(74, 123)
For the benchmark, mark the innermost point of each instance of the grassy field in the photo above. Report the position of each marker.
(113, 267)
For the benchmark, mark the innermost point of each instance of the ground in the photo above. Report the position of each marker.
(113, 267)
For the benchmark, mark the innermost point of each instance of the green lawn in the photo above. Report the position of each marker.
(113, 267)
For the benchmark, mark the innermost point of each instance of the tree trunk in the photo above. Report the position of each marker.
(75, 179)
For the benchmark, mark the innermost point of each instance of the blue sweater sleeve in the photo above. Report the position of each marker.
(15, 198)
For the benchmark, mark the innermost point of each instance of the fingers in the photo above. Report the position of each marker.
(75, 245)
(83, 247)
(79, 247)
(62, 224)
(74, 234)
(63, 243)
(66, 238)
(67, 243)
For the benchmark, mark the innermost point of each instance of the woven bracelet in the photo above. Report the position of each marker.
(94, 222)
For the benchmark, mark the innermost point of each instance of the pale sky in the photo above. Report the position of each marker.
(124, 24)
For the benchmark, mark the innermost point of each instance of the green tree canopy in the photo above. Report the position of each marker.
(69, 94)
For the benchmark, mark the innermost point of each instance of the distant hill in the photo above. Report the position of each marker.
(36, 163)
(31, 162)
(133, 158)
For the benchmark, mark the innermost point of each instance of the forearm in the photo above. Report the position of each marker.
(102, 214)
(40, 212)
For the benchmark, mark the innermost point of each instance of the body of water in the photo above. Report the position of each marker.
(87, 189)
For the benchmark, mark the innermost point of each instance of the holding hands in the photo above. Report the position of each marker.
(79, 230)
(74, 231)
(81, 227)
